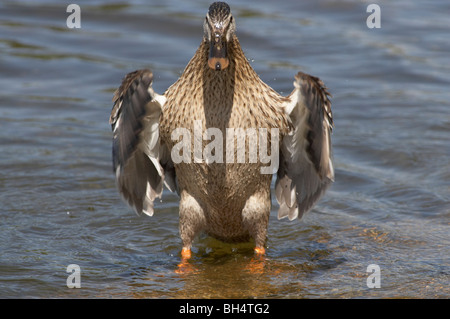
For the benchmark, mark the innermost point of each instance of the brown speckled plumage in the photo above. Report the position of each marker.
(229, 201)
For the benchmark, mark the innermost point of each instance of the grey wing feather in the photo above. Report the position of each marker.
(306, 167)
(140, 160)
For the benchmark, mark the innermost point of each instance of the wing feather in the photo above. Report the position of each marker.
(306, 168)
(140, 160)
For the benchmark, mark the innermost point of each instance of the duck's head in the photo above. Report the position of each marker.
(219, 28)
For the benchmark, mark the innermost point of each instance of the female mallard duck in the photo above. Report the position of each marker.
(219, 90)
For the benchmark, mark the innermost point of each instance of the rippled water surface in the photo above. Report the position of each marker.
(390, 204)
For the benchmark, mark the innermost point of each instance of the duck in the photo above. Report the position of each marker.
(208, 137)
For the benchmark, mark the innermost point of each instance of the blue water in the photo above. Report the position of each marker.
(390, 204)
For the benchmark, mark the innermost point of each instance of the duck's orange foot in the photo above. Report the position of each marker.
(260, 251)
(186, 253)
(184, 266)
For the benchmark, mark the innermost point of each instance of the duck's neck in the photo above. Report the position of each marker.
(239, 69)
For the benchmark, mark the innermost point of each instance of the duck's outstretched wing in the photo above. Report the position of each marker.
(141, 161)
(306, 167)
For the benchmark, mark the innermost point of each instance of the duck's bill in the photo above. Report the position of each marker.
(218, 59)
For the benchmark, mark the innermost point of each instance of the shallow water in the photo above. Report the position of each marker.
(390, 204)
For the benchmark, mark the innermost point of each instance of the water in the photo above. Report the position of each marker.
(390, 204)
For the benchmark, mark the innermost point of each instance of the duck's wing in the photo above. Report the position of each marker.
(306, 167)
(141, 161)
